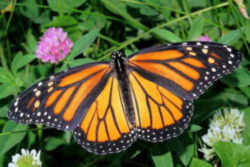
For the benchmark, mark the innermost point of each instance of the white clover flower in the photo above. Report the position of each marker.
(26, 159)
(208, 152)
(228, 133)
(238, 140)
(227, 125)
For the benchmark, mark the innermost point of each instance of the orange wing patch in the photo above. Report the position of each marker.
(63, 100)
(194, 62)
(215, 55)
(106, 120)
(139, 98)
(80, 75)
(188, 71)
(67, 100)
(150, 112)
(159, 55)
(81, 94)
(53, 97)
(172, 65)
(30, 102)
(167, 73)
(157, 122)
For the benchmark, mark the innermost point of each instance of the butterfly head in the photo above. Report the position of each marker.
(117, 55)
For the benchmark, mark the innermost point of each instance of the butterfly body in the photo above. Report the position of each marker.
(146, 96)
(121, 71)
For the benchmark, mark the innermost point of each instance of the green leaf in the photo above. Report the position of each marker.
(87, 25)
(20, 61)
(3, 111)
(43, 69)
(30, 44)
(31, 138)
(53, 142)
(2, 159)
(187, 155)
(199, 163)
(82, 43)
(233, 155)
(166, 35)
(184, 150)
(29, 8)
(43, 18)
(247, 32)
(77, 62)
(64, 6)
(163, 160)
(196, 28)
(117, 7)
(246, 132)
(195, 128)
(246, 91)
(94, 20)
(231, 37)
(144, 9)
(6, 90)
(9, 141)
(239, 78)
(234, 96)
(4, 4)
(195, 3)
(5, 76)
(62, 21)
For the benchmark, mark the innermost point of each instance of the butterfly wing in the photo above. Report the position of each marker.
(105, 127)
(159, 113)
(86, 100)
(166, 79)
(60, 101)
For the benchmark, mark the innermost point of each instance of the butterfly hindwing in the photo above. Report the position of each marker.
(58, 101)
(105, 128)
(159, 113)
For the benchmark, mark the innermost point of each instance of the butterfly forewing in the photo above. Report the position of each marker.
(187, 69)
(58, 101)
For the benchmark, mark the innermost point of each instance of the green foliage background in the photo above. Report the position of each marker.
(98, 28)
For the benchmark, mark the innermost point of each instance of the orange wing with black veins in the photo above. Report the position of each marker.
(165, 80)
(61, 100)
(105, 128)
(159, 113)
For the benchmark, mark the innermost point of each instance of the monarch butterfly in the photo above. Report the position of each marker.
(109, 105)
